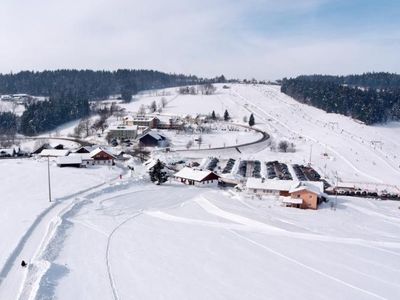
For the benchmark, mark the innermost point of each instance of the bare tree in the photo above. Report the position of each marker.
(199, 140)
(163, 102)
(283, 146)
(142, 110)
(189, 144)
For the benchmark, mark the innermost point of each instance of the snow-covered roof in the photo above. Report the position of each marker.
(9, 151)
(270, 184)
(123, 127)
(150, 163)
(98, 150)
(144, 118)
(193, 174)
(128, 118)
(87, 148)
(74, 159)
(310, 188)
(157, 136)
(54, 152)
(83, 156)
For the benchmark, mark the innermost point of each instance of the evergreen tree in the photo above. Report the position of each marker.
(157, 173)
(213, 116)
(226, 115)
(251, 120)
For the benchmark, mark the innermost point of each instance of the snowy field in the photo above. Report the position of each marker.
(208, 244)
(8, 106)
(110, 238)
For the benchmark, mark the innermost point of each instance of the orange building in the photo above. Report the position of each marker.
(309, 196)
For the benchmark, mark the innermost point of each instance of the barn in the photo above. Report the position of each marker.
(70, 161)
(152, 139)
(196, 177)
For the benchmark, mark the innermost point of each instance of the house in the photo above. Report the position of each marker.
(196, 177)
(261, 186)
(102, 157)
(306, 196)
(300, 194)
(74, 161)
(152, 139)
(123, 132)
(53, 153)
(148, 121)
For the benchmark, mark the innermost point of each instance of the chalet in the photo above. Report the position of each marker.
(53, 153)
(306, 195)
(102, 157)
(152, 139)
(196, 177)
(70, 161)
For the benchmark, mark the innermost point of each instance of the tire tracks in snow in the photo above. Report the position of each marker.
(110, 276)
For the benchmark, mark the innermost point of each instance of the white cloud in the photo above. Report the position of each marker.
(206, 37)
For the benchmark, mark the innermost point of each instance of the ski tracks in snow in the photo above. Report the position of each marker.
(265, 115)
(35, 283)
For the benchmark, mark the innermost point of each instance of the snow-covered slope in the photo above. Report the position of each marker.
(107, 238)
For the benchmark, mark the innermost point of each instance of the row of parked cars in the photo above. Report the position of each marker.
(278, 170)
(242, 168)
(306, 173)
(229, 166)
(212, 164)
(256, 169)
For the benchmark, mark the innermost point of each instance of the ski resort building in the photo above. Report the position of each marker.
(300, 194)
(196, 177)
(123, 132)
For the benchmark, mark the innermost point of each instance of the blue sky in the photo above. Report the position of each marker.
(265, 39)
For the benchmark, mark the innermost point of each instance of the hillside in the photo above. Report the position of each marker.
(111, 237)
(371, 98)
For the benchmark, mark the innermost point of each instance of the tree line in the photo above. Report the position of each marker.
(371, 97)
(69, 93)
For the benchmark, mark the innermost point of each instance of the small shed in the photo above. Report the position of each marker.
(196, 177)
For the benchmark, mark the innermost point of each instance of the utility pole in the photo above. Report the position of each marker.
(48, 176)
(309, 163)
